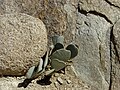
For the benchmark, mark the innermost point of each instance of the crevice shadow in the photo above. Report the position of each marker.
(44, 81)
(25, 83)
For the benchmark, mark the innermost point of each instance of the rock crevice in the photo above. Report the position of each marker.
(95, 13)
(114, 57)
(111, 4)
(111, 40)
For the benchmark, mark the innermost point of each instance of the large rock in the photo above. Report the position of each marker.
(115, 57)
(23, 40)
(104, 8)
(110, 11)
(93, 62)
(59, 16)
(114, 3)
(93, 20)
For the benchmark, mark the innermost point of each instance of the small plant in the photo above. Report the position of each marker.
(36, 71)
(58, 57)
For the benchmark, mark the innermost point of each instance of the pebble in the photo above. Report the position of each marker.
(21, 78)
(56, 74)
(56, 84)
(68, 81)
(60, 80)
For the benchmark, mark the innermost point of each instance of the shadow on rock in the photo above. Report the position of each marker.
(25, 83)
(44, 81)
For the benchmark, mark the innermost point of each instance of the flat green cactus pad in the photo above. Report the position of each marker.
(57, 64)
(61, 54)
(46, 60)
(39, 67)
(57, 47)
(73, 49)
(30, 72)
(57, 39)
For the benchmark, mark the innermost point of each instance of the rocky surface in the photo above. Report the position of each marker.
(103, 8)
(11, 83)
(93, 61)
(59, 16)
(92, 24)
(109, 53)
(115, 56)
(23, 40)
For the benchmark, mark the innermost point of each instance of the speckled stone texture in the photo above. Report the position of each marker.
(23, 40)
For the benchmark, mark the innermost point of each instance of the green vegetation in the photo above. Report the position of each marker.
(56, 58)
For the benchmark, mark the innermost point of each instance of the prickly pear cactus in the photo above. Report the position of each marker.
(73, 49)
(57, 55)
(57, 46)
(57, 64)
(35, 71)
(61, 55)
(57, 39)
(30, 72)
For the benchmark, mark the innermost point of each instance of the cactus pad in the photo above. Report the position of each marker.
(57, 47)
(57, 64)
(61, 54)
(73, 49)
(30, 72)
(39, 67)
(46, 60)
(57, 39)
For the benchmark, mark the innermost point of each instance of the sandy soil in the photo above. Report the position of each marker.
(68, 81)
